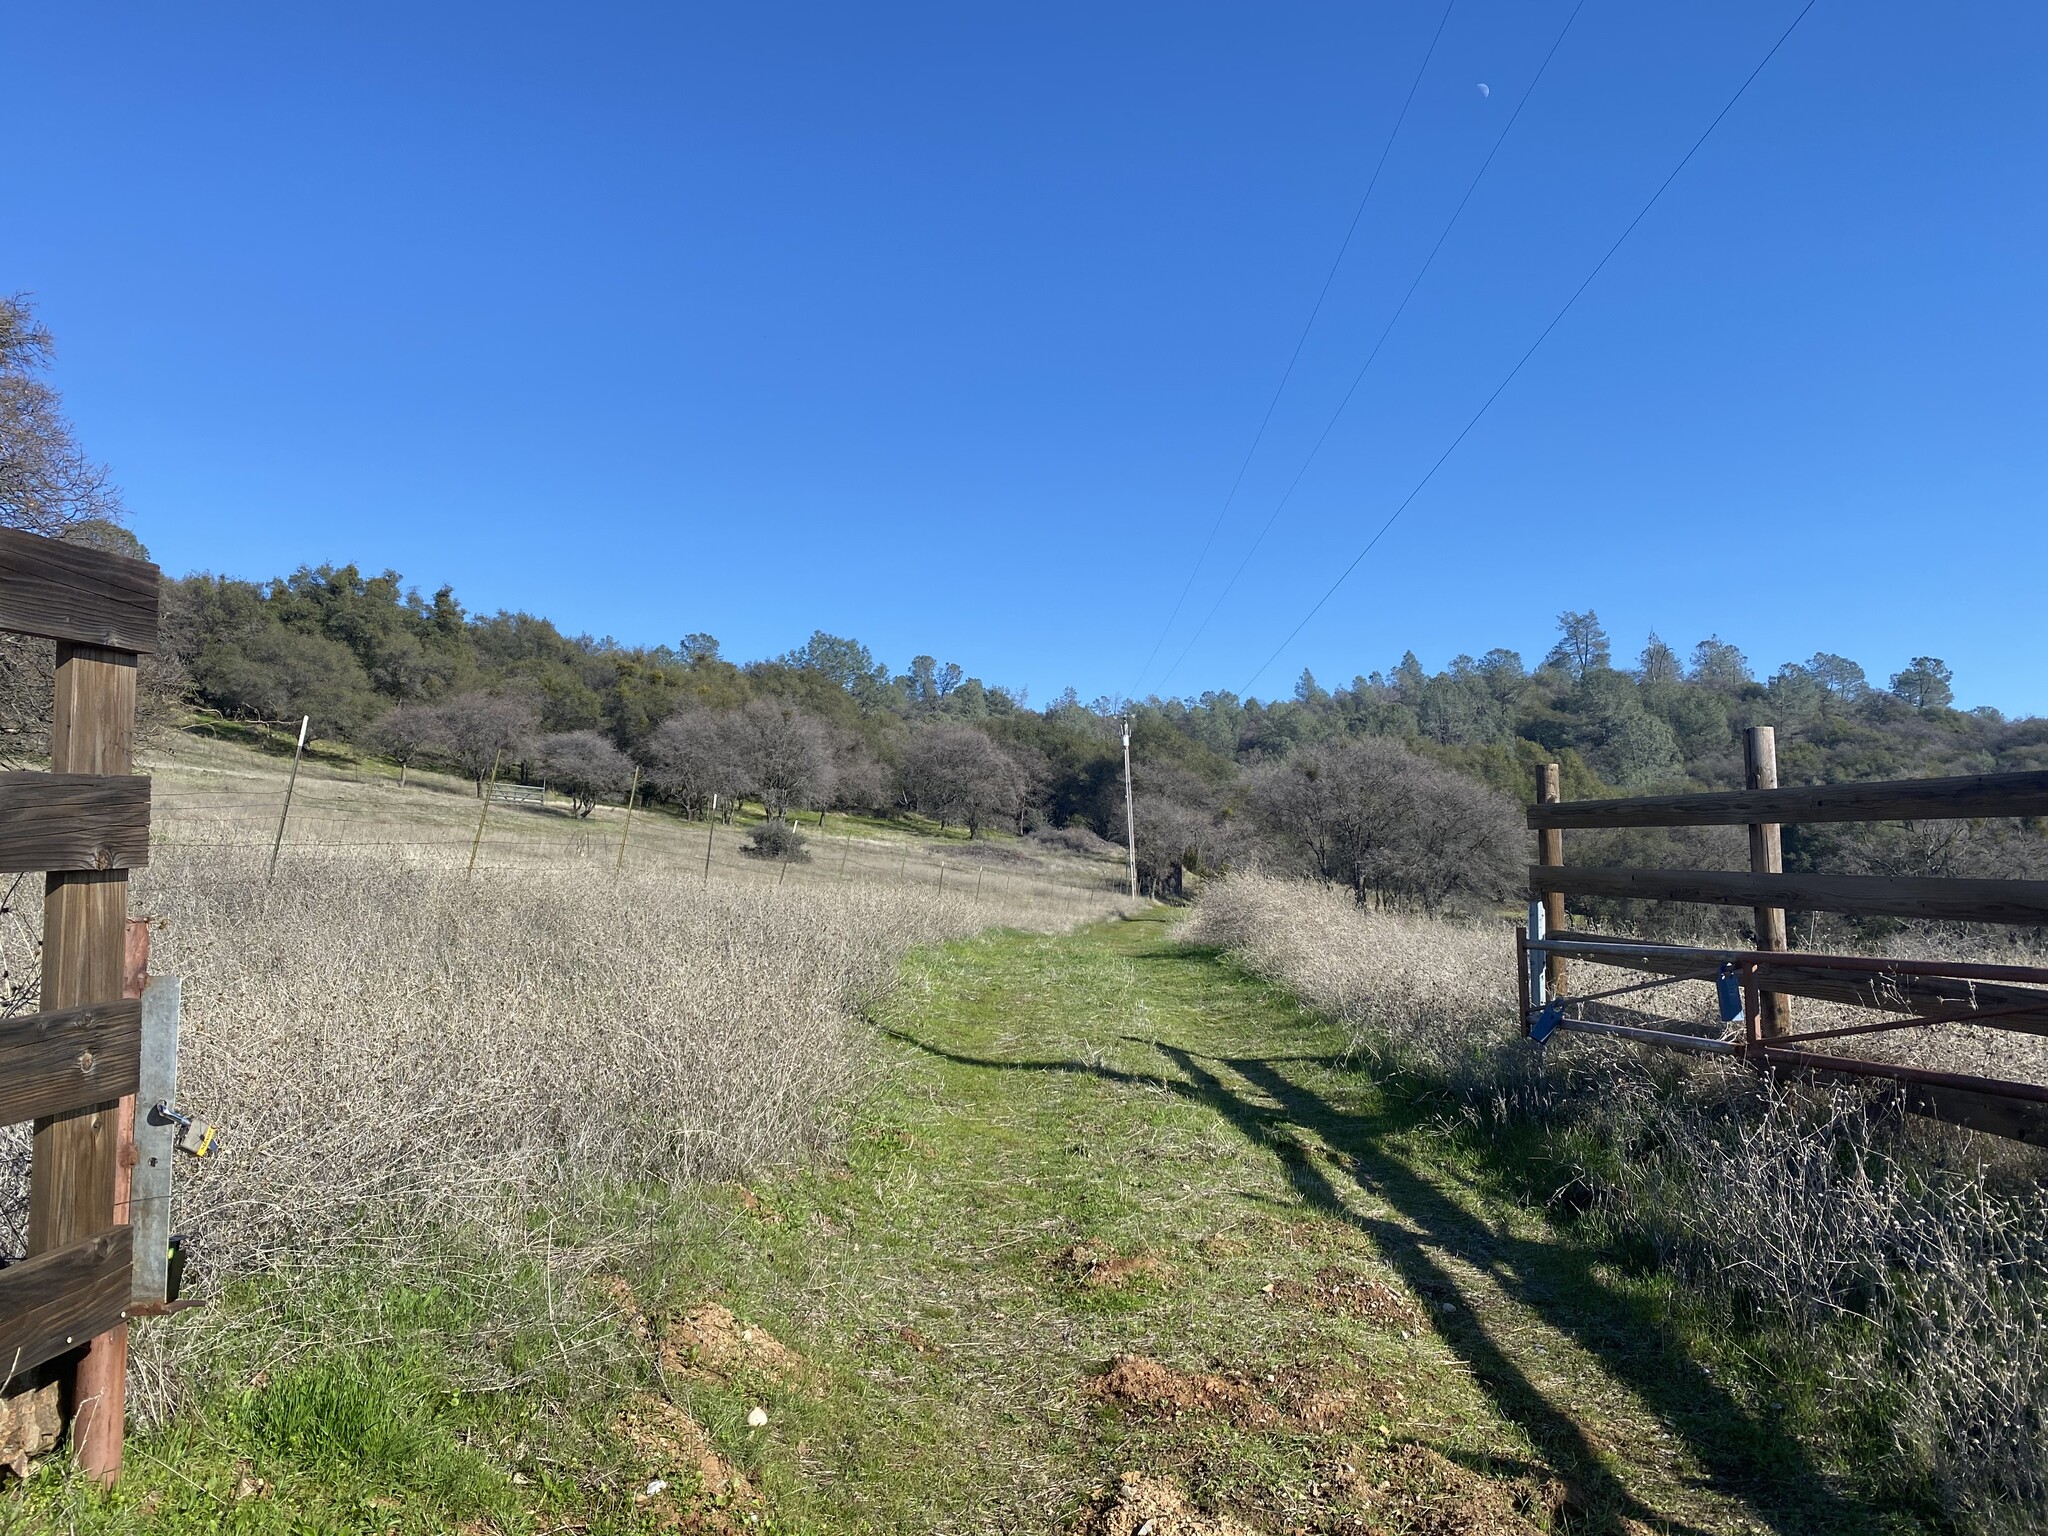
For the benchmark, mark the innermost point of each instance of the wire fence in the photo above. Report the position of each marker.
(337, 813)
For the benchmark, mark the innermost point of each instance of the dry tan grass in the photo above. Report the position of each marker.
(396, 1050)
(1817, 1207)
(377, 1030)
(211, 794)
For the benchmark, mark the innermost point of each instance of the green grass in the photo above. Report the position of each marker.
(1111, 1088)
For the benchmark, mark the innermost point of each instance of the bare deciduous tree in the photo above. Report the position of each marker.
(1182, 825)
(584, 766)
(784, 754)
(47, 484)
(693, 757)
(49, 487)
(480, 729)
(407, 734)
(1373, 815)
(954, 773)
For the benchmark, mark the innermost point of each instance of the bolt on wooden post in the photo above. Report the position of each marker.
(1550, 853)
(1767, 857)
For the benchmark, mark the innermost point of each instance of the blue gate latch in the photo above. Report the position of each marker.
(1729, 985)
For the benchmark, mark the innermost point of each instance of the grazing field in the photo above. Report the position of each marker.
(225, 793)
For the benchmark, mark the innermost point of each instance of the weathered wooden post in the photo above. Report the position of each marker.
(1767, 857)
(85, 914)
(1550, 854)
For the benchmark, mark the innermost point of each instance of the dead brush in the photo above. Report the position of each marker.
(397, 1052)
(1914, 1258)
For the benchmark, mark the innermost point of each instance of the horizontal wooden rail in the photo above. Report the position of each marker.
(1970, 796)
(1813, 976)
(60, 1300)
(72, 821)
(52, 1063)
(73, 592)
(1928, 900)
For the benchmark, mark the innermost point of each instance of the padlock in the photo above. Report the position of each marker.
(194, 1136)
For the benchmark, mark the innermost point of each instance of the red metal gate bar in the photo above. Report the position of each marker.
(1955, 1016)
(1819, 1061)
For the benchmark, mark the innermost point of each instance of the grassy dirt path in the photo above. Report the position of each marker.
(1122, 1238)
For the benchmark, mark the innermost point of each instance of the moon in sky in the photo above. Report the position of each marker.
(1485, 89)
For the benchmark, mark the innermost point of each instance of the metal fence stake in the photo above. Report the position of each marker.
(490, 784)
(289, 785)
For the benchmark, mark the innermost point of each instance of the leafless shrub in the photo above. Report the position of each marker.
(1902, 1250)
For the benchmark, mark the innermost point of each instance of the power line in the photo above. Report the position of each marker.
(1299, 342)
(1542, 336)
(1385, 331)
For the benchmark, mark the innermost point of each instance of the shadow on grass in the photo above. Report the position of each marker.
(1754, 1458)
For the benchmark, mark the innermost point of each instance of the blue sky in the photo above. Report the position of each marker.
(947, 327)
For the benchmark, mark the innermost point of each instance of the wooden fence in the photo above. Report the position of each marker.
(70, 1068)
(1758, 986)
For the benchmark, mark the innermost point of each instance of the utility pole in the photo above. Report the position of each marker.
(1130, 821)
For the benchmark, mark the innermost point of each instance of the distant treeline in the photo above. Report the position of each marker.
(1218, 777)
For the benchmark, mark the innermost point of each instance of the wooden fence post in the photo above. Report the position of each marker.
(71, 1176)
(101, 1385)
(1550, 853)
(1767, 857)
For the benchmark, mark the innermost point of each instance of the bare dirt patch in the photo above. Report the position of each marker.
(758, 1207)
(1344, 1293)
(709, 1343)
(1296, 1397)
(1421, 1492)
(1144, 1384)
(1100, 1267)
(673, 1445)
(1146, 1505)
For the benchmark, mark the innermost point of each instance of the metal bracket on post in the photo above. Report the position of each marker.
(1538, 961)
(156, 1141)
